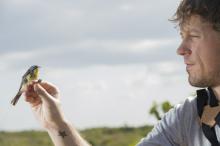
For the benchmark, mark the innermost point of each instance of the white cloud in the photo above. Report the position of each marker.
(110, 59)
(101, 91)
(126, 46)
(169, 67)
(126, 7)
(92, 52)
(151, 45)
(15, 56)
(54, 23)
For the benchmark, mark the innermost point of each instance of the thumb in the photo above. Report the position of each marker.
(41, 92)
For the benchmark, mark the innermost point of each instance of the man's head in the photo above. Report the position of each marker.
(199, 22)
(209, 10)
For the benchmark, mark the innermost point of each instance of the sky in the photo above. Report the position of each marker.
(110, 59)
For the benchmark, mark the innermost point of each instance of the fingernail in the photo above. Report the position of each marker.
(36, 87)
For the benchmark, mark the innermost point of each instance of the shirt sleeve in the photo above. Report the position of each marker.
(170, 129)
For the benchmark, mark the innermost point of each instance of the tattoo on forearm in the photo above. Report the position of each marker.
(62, 134)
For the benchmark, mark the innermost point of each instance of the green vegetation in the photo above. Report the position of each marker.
(124, 136)
(158, 110)
(25, 138)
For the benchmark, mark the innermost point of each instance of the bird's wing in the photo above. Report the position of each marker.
(27, 72)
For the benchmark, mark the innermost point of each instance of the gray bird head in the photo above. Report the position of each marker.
(33, 67)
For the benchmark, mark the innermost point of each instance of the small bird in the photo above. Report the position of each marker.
(31, 75)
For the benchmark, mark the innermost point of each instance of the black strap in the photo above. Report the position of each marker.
(205, 97)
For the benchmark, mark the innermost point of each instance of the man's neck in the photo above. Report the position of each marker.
(216, 91)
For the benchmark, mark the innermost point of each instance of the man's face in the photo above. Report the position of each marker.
(200, 49)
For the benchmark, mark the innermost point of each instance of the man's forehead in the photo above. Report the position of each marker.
(194, 24)
(190, 28)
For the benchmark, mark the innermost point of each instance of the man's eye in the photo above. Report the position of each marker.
(194, 36)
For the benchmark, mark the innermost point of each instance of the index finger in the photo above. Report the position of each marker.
(49, 87)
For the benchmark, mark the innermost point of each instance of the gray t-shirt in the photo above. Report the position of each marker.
(179, 127)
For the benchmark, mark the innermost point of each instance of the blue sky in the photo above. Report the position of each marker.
(110, 59)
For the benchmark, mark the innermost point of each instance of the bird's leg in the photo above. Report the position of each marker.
(39, 80)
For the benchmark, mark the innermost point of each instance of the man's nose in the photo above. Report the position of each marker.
(183, 50)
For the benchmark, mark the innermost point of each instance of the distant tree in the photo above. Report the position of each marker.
(154, 111)
(159, 110)
(166, 106)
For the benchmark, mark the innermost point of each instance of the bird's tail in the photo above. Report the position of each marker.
(15, 99)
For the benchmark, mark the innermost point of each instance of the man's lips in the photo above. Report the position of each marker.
(188, 66)
(189, 63)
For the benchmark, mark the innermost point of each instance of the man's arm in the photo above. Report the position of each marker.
(66, 135)
(44, 100)
(173, 128)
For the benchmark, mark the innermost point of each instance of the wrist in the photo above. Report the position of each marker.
(57, 125)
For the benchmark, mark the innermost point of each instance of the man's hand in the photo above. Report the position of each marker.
(45, 103)
(44, 100)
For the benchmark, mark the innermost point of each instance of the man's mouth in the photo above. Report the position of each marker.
(188, 66)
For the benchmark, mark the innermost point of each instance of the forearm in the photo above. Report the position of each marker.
(47, 109)
(66, 135)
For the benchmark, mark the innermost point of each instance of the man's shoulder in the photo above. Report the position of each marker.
(173, 127)
(187, 108)
(188, 104)
(183, 113)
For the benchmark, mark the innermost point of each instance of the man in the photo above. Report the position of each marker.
(195, 122)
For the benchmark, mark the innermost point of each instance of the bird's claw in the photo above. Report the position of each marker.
(39, 80)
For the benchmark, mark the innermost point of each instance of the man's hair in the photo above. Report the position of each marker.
(209, 10)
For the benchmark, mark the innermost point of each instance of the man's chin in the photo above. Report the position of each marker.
(197, 83)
